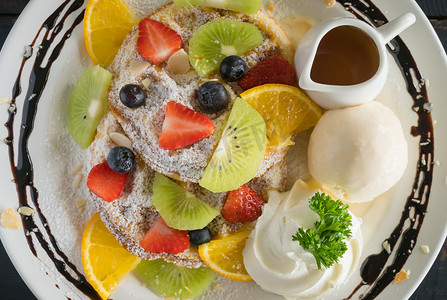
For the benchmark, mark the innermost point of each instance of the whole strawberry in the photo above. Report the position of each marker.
(273, 69)
(242, 205)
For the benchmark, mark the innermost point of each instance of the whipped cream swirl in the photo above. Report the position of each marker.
(281, 266)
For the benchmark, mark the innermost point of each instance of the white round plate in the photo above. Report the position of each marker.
(54, 155)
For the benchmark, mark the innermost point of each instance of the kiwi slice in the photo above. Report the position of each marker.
(243, 6)
(170, 280)
(179, 208)
(215, 40)
(88, 104)
(240, 151)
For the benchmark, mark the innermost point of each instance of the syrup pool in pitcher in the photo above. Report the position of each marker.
(345, 56)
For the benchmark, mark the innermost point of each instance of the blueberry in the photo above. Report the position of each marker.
(132, 95)
(199, 236)
(212, 96)
(232, 68)
(121, 159)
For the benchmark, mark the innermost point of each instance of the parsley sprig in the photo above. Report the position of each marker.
(326, 240)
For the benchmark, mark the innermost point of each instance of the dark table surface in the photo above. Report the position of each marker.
(434, 286)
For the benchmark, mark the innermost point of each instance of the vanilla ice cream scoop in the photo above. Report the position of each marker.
(359, 152)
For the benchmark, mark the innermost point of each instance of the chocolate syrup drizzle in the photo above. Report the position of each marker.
(23, 171)
(376, 272)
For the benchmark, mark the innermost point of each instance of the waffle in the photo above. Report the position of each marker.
(131, 215)
(143, 125)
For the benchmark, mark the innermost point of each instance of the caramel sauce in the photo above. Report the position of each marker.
(345, 56)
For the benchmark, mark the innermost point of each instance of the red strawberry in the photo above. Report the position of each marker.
(273, 69)
(162, 238)
(242, 205)
(157, 42)
(183, 126)
(106, 183)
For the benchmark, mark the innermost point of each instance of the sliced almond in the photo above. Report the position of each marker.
(9, 219)
(76, 170)
(28, 51)
(12, 108)
(204, 80)
(120, 139)
(80, 203)
(138, 66)
(78, 180)
(401, 276)
(4, 100)
(386, 245)
(25, 211)
(146, 83)
(178, 63)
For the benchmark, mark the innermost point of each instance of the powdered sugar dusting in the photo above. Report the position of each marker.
(64, 217)
(143, 125)
(131, 215)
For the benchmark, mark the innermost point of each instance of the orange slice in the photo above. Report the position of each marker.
(106, 24)
(224, 256)
(104, 260)
(286, 111)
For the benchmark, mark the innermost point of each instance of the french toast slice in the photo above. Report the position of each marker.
(143, 125)
(131, 215)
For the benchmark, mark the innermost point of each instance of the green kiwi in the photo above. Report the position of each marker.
(179, 208)
(217, 39)
(243, 6)
(88, 104)
(240, 151)
(170, 280)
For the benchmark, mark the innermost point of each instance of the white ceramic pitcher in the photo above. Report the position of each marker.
(331, 96)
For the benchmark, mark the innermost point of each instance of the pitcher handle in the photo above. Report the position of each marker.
(393, 28)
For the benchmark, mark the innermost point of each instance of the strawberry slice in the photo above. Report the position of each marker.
(106, 183)
(183, 126)
(157, 42)
(242, 205)
(162, 238)
(273, 69)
